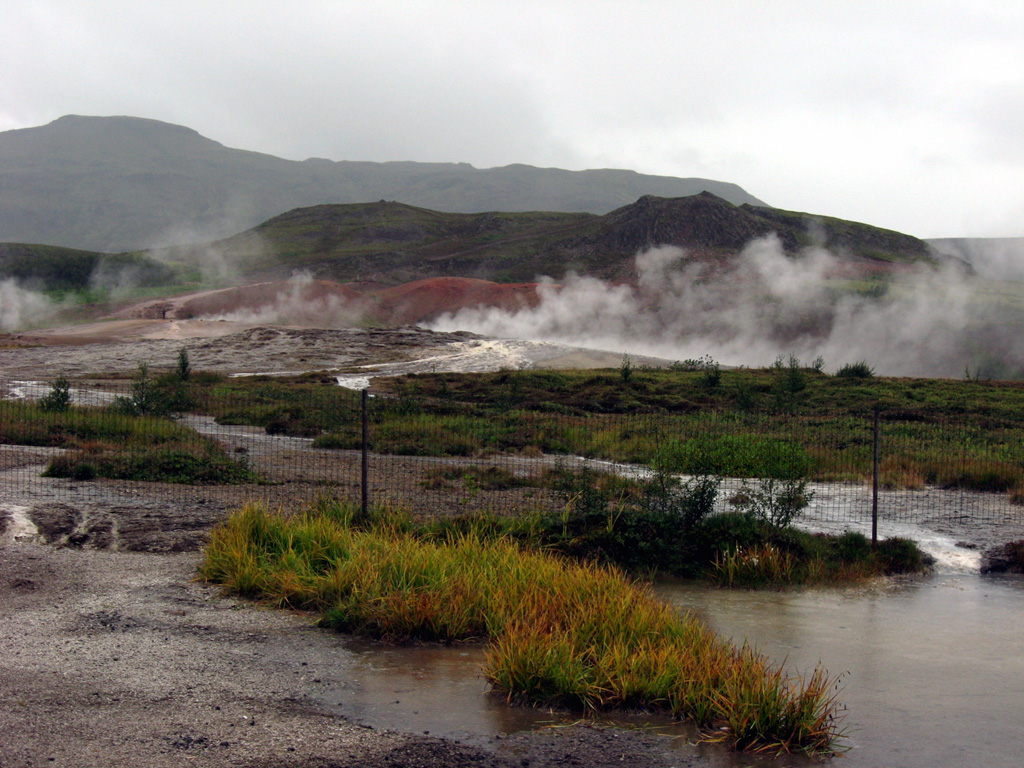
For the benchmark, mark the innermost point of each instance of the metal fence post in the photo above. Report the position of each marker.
(365, 478)
(874, 477)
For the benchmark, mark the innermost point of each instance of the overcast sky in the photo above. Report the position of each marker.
(907, 114)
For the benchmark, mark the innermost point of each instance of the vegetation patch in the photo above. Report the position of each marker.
(577, 635)
(786, 421)
(190, 463)
(666, 526)
(117, 445)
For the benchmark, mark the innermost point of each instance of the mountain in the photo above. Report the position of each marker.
(127, 183)
(391, 243)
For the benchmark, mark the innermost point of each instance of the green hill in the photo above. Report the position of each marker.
(393, 242)
(52, 268)
(126, 183)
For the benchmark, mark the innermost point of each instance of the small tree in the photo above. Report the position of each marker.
(626, 369)
(145, 398)
(858, 370)
(791, 380)
(58, 399)
(184, 367)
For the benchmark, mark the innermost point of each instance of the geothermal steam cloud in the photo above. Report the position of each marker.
(762, 305)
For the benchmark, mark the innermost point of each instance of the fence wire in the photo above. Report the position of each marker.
(292, 470)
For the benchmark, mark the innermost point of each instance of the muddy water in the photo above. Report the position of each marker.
(932, 672)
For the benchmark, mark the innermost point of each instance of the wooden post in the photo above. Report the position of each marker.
(874, 477)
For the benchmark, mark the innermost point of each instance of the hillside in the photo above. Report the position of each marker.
(997, 258)
(52, 268)
(126, 183)
(388, 244)
(391, 243)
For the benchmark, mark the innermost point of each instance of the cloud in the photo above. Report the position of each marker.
(762, 305)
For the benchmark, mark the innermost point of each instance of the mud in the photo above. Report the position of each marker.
(119, 347)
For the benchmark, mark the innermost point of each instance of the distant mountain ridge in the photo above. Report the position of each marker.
(126, 183)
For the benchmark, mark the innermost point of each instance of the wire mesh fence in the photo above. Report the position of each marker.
(96, 450)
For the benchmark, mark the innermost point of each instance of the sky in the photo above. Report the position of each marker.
(904, 114)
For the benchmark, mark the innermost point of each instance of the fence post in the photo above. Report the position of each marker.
(874, 477)
(365, 475)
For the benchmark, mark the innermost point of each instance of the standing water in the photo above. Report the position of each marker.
(932, 671)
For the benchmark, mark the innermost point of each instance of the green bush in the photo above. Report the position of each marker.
(58, 399)
(858, 370)
(776, 502)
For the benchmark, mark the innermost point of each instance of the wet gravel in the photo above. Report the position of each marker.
(121, 659)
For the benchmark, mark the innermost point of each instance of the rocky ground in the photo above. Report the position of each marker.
(112, 655)
(122, 659)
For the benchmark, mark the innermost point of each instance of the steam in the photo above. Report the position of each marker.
(21, 308)
(219, 263)
(298, 303)
(763, 304)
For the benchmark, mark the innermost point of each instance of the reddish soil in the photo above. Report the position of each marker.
(311, 294)
(308, 302)
(427, 299)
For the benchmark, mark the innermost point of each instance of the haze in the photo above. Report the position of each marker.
(904, 115)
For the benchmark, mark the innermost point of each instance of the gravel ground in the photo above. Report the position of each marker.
(120, 659)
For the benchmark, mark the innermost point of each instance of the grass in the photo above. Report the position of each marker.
(578, 635)
(751, 423)
(104, 443)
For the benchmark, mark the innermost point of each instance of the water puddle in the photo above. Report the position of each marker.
(932, 671)
(440, 691)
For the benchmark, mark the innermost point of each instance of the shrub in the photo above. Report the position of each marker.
(145, 398)
(58, 399)
(184, 369)
(858, 370)
(777, 502)
(790, 381)
(899, 555)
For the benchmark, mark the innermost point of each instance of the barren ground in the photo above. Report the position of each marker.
(110, 653)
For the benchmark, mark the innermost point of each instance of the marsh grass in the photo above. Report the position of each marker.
(777, 422)
(788, 557)
(104, 443)
(579, 635)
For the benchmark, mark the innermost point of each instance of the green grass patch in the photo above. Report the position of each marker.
(579, 635)
(116, 445)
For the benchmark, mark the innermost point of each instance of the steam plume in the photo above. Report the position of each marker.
(21, 308)
(764, 304)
